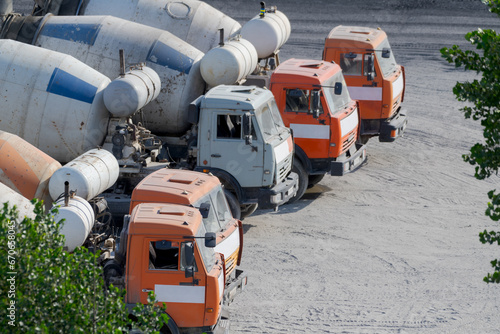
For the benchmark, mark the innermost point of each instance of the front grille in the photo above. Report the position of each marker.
(349, 141)
(231, 263)
(395, 106)
(284, 169)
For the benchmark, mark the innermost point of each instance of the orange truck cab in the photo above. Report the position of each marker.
(165, 248)
(314, 102)
(204, 192)
(373, 77)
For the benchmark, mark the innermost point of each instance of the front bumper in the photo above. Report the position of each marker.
(235, 287)
(393, 128)
(279, 194)
(353, 159)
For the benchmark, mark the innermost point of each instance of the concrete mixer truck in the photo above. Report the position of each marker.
(185, 206)
(373, 77)
(253, 161)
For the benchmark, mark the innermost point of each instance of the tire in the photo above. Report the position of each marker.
(247, 210)
(234, 205)
(303, 180)
(314, 180)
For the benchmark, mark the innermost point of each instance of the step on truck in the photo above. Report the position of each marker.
(373, 77)
(314, 102)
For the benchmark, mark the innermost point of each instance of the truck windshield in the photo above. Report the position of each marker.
(269, 120)
(219, 214)
(387, 65)
(336, 102)
(207, 254)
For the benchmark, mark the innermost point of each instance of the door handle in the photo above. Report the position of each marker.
(215, 155)
(146, 290)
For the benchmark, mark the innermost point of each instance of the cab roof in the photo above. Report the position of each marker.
(362, 37)
(173, 186)
(305, 71)
(235, 97)
(168, 219)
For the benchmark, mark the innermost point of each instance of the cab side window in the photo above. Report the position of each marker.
(229, 126)
(297, 100)
(164, 255)
(351, 63)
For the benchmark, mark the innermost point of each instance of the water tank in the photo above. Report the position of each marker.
(228, 64)
(25, 169)
(195, 22)
(96, 41)
(89, 174)
(128, 93)
(24, 206)
(51, 100)
(78, 221)
(267, 34)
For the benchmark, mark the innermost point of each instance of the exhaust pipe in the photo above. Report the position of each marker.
(6, 7)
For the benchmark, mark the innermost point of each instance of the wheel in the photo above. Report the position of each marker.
(234, 205)
(303, 180)
(314, 180)
(247, 210)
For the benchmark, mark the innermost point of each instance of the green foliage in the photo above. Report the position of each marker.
(483, 96)
(54, 291)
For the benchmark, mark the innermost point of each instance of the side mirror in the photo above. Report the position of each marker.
(189, 272)
(210, 240)
(247, 128)
(338, 88)
(370, 70)
(204, 209)
(386, 53)
(315, 103)
(189, 254)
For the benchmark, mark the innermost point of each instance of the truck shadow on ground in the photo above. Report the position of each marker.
(311, 194)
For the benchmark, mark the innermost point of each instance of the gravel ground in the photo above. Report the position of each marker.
(393, 247)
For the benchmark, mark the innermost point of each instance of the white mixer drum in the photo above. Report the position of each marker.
(23, 205)
(195, 22)
(51, 100)
(228, 64)
(267, 34)
(89, 174)
(96, 41)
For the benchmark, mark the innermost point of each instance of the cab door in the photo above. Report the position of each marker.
(165, 274)
(356, 67)
(229, 152)
(310, 133)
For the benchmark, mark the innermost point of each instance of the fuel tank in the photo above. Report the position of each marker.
(89, 174)
(268, 33)
(78, 221)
